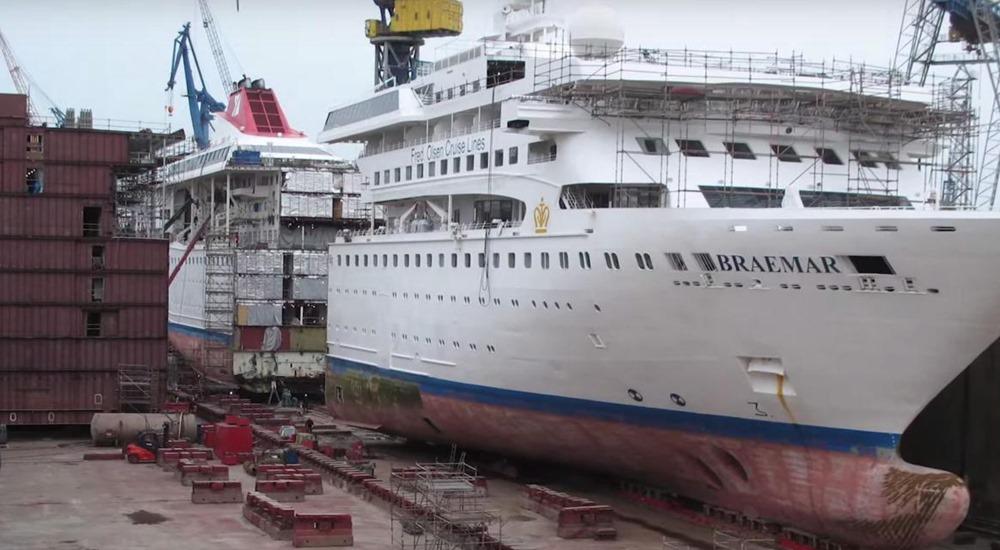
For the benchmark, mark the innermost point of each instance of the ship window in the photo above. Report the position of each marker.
(406, 260)
(430, 262)
(527, 260)
(496, 260)
(640, 261)
(416, 260)
(97, 289)
(488, 210)
(395, 260)
(366, 260)
(545, 260)
(454, 259)
(828, 156)
(652, 146)
(890, 161)
(865, 158)
(91, 221)
(376, 177)
(385, 177)
(512, 155)
(470, 162)
(431, 169)
(396, 175)
(348, 258)
(475, 85)
(676, 261)
(511, 260)
(692, 147)
(409, 173)
(739, 150)
(872, 265)
(648, 260)
(456, 165)
(705, 261)
(468, 260)
(564, 260)
(502, 71)
(93, 324)
(441, 260)
(33, 181)
(357, 260)
(484, 160)
(498, 158)
(437, 97)
(385, 260)
(420, 171)
(482, 259)
(451, 93)
(585, 260)
(444, 166)
(97, 256)
(461, 90)
(375, 260)
(785, 153)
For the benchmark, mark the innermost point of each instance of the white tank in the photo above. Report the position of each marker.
(595, 31)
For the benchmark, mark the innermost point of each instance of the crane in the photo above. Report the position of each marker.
(400, 31)
(976, 23)
(24, 84)
(201, 104)
(208, 21)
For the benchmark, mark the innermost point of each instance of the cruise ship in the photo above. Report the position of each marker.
(250, 217)
(730, 275)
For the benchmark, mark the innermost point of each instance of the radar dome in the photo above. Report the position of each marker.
(595, 31)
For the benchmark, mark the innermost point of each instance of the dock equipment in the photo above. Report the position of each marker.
(401, 30)
(25, 85)
(201, 104)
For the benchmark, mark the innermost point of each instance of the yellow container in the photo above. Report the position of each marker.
(307, 339)
(242, 315)
(373, 28)
(427, 18)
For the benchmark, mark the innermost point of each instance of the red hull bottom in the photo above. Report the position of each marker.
(870, 499)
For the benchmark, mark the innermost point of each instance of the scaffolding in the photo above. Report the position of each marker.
(136, 388)
(441, 506)
(757, 92)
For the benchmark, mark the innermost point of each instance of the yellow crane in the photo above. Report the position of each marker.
(401, 30)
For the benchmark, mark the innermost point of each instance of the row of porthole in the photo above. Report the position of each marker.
(407, 337)
(796, 286)
(514, 302)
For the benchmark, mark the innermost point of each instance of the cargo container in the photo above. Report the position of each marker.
(83, 306)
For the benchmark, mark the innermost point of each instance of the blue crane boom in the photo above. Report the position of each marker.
(201, 104)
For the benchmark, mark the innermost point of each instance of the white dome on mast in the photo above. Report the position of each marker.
(596, 31)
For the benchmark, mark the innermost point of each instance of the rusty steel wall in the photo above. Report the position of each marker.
(957, 432)
(51, 370)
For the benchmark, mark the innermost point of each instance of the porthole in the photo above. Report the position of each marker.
(635, 395)
(678, 400)
(597, 307)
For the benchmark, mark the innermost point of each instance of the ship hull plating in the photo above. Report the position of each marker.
(849, 484)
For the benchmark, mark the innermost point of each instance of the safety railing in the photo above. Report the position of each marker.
(461, 131)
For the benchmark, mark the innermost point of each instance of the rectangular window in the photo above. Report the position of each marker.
(585, 260)
(691, 148)
(97, 256)
(395, 260)
(650, 146)
(385, 260)
(375, 260)
(430, 260)
(444, 166)
(409, 173)
(396, 175)
(416, 260)
(487, 211)
(785, 153)
(739, 150)
(484, 160)
(511, 260)
(34, 183)
(865, 158)
(406, 260)
(890, 161)
(512, 155)
(456, 165)
(454, 259)
(420, 171)
(482, 259)
(676, 261)
(470, 163)
(386, 177)
(545, 260)
(828, 156)
(347, 257)
(564, 260)
(441, 259)
(93, 324)
(496, 260)
(468, 260)
(35, 146)
(91, 221)
(376, 178)
(498, 158)
(527, 260)
(366, 260)
(431, 169)
(97, 289)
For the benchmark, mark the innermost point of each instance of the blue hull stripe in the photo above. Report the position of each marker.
(831, 439)
(199, 333)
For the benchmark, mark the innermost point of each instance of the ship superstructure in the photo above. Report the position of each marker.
(724, 273)
(250, 219)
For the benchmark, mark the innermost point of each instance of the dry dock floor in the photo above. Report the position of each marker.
(51, 499)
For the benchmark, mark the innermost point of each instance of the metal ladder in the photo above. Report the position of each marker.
(220, 258)
(135, 388)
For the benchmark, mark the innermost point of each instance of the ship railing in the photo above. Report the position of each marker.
(112, 124)
(499, 225)
(462, 131)
(541, 157)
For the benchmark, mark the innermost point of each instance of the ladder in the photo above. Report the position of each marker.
(220, 259)
(135, 388)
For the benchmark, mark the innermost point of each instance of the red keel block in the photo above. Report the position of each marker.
(284, 490)
(313, 530)
(216, 492)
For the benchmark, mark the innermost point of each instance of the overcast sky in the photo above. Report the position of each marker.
(114, 55)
